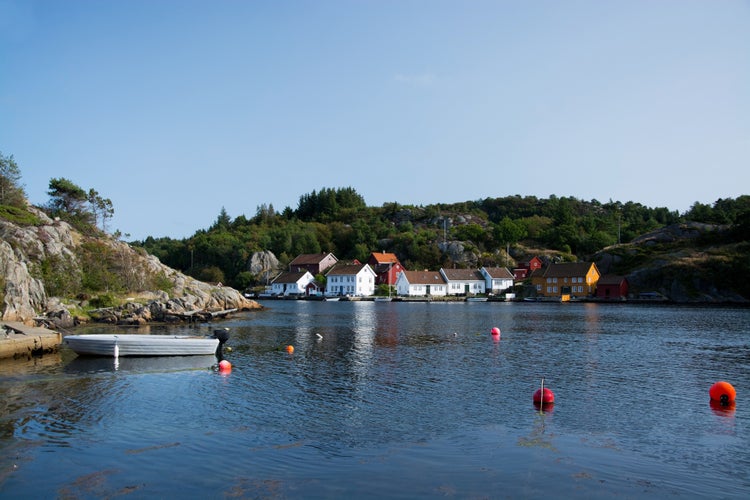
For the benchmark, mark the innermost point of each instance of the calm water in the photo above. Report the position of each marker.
(396, 400)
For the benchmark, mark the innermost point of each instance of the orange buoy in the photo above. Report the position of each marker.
(723, 392)
(225, 366)
(290, 349)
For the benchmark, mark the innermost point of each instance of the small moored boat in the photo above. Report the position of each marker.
(146, 345)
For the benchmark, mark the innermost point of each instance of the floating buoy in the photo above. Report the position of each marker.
(544, 396)
(723, 392)
(495, 333)
(290, 349)
(225, 366)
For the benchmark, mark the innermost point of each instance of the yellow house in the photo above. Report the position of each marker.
(566, 280)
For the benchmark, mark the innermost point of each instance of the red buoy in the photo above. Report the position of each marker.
(495, 332)
(225, 366)
(545, 396)
(723, 392)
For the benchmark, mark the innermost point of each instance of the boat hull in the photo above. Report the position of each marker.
(141, 345)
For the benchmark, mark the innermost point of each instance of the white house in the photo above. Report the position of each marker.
(497, 279)
(420, 284)
(291, 283)
(356, 280)
(463, 281)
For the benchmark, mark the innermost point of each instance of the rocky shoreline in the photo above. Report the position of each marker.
(24, 249)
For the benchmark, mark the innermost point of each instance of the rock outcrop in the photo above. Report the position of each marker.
(25, 249)
(264, 265)
(672, 262)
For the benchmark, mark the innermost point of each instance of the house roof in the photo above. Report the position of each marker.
(499, 272)
(289, 277)
(346, 269)
(423, 277)
(463, 274)
(611, 279)
(568, 269)
(310, 258)
(537, 273)
(384, 257)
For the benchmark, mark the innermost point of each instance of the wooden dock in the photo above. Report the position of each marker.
(18, 340)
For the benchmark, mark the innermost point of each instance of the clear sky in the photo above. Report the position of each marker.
(174, 109)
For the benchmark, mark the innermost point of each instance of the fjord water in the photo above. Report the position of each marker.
(396, 400)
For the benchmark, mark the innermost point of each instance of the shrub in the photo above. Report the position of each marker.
(103, 300)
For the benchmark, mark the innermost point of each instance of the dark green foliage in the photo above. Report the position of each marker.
(329, 204)
(83, 210)
(211, 274)
(66, 198)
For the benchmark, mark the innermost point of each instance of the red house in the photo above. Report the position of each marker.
(524, 269)
(612, 287)
(386, 267)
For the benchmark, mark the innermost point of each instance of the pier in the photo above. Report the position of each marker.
(18, 340)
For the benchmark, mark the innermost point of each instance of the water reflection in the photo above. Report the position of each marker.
(84, 364)
(417, 393)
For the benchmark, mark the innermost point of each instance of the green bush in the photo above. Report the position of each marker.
(103, 300)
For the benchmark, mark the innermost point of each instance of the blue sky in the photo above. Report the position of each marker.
(174, 109)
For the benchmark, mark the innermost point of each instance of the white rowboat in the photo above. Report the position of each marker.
(141, 345)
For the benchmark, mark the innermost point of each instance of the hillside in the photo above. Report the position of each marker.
(51, 271)
(687, 262)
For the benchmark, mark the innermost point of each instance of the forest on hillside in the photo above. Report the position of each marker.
(338, 220)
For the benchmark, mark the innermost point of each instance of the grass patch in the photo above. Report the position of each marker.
(19, 216)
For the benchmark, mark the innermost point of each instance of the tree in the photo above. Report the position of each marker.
(222, 221)
(67, 197)
(101, 208)
(509, 232)
(11, 191)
